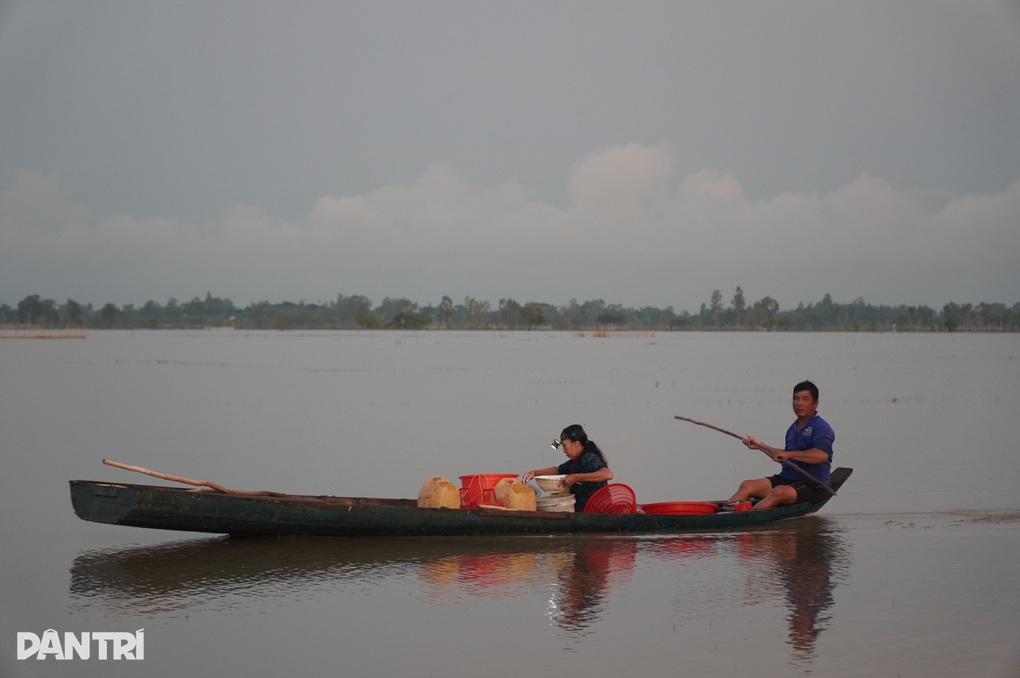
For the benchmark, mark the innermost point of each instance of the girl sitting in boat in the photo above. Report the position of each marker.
(586, 468)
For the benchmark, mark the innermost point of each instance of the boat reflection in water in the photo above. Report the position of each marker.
(575, 573)
(799, 562)
(586, 576)
(804, 564)
(222, 573)
(796, 565)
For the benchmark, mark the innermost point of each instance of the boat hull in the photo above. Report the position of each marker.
(171, 508)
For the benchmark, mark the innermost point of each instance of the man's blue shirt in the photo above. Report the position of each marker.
(816, 434)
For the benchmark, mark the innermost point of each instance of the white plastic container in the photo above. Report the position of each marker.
(556, 504)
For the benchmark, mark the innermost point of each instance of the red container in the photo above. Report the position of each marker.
(681, 508)
(480, 488)
(473, 498)
(613, 498)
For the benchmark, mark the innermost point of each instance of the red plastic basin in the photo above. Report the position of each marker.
(687, 508)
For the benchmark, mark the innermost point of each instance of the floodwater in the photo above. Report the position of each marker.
(910, 571)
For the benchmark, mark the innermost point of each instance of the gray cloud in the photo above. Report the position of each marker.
(634, 232)
(644, 153)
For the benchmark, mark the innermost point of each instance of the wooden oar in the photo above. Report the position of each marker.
(189, 481)
(789, 462)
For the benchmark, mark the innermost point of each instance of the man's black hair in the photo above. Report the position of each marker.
(807, 386)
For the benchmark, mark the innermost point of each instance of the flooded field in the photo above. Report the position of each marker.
(910, 571)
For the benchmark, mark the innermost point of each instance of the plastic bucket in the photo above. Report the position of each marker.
(480, 488)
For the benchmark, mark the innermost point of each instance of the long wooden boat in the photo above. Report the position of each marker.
(171, 508)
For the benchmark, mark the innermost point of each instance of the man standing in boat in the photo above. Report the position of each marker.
(808, 445)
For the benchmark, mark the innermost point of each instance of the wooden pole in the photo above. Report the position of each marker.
(189, 481)
(789, 462)
(714, 428)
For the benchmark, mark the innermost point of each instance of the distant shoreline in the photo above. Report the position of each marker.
(359, 312)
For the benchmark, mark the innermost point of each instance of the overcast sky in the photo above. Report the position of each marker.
(644, 153)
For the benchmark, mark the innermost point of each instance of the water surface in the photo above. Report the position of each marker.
(910, 571)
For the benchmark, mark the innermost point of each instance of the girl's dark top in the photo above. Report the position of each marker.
(589, 463)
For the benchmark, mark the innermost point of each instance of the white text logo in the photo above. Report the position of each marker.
(107, 645)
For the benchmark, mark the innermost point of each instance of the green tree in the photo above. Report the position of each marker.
(108, 315)
(446, 312)
(533, 315)
(951, 317)
(765, 312)
(258, 318)
(613, 315)
(925, 316)
(391, 308)
(410, 320)
(477, 312)
(509, 312)
(30, 310)
(715, 307)
(286, 319)
(653, 318)
(824, 312)
(589, 312)
(73, 310)
(368, 319)
(357, 306)
(739, 305)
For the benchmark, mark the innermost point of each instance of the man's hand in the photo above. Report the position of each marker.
(753, 443)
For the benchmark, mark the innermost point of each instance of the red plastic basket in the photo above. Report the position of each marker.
(615, 498)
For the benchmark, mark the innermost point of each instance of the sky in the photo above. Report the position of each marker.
(643, 153)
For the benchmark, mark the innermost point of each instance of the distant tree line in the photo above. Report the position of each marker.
(359, 312)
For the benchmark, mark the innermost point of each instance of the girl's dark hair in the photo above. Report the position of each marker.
(576, 432)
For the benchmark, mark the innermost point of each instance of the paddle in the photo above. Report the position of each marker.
(188, 481)
(792, 464)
